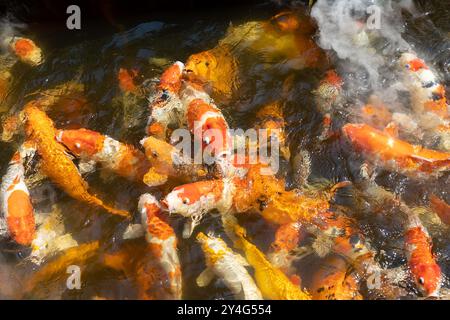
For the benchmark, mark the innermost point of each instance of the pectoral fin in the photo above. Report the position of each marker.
(134, 231)
(205, 277)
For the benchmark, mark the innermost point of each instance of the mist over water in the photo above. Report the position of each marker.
(366, 36)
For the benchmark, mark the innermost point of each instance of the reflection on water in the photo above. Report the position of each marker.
(257, 63)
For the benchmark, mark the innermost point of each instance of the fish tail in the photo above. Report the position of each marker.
(111, 210)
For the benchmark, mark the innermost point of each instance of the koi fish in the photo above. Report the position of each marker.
(162, 242)
(17, 217)
(167, 161)
(165, 106)
(287, 239)
(327, 94)
(25, 50)
(91, 146)
(222, 262)
(51, 236)
(272, 282)
(139, 263)
(58, 265)
(329, 90)
(441, 208)
(126, 80)
(427, 93)
(333, 282)
(55, 163)
(216, 70)
(207, 120)
(271, 118)
(421, 261)
(394, 154)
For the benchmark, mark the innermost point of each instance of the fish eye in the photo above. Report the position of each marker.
(421, 280)
(154, 154)
(78, 145)
(185, 200)
(207, 63)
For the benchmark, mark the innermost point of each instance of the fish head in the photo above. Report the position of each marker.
(158, 151)
(148, 206)
(171, 77)
(428, 279)
(81, 141)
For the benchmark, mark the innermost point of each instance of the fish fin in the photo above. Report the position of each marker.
(441, 208)
(86, 166)
(392, 130)
(134, 231)
(427, 165)
(229, 222)
(205, 277)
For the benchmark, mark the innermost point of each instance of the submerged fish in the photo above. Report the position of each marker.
(162, 243)
(91, 146)
(394, 154)
(222, 262)
(25, 50)
(55, 163)
(271, 118)
(332, 281)
(126, 80)
(441, 208)
(428, 95)
(17, 214)
(165, 105)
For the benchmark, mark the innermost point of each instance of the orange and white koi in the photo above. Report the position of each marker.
(428, 95)
(55, 163)
(222, 262)
(162, 242)
(25, 50)
(90, 146)
(165, 106)
(421, 260)
(206, 119)
(394, 154)
(167, 161)
(17, 219)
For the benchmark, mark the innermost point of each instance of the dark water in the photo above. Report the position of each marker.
(94, 58)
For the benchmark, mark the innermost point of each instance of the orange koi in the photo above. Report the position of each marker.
(162, 242)
(165, 106)
(126, 80)
(26, 50)
(123, 159)
(332, 282)
(441, 208)
(271, 118)
(55, 163)
(394, 154)
(422, 263)
(17, 218)
(167, 161)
